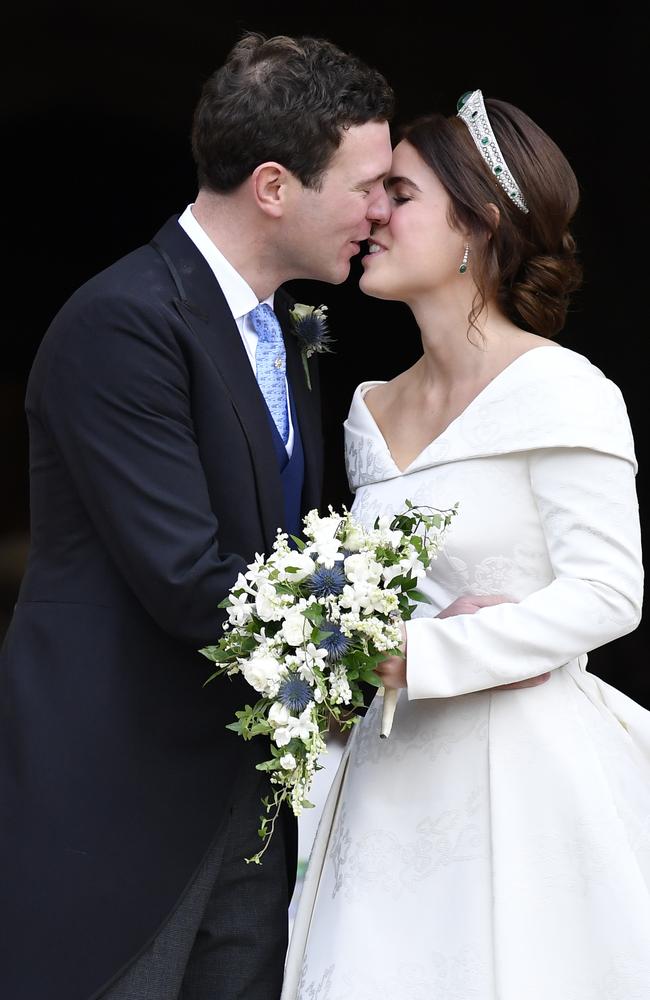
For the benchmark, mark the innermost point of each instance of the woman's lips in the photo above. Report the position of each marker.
(374, 250)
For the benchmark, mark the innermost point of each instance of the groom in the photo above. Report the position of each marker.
(172, 432)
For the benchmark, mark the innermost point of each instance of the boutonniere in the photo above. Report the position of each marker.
(310, 327)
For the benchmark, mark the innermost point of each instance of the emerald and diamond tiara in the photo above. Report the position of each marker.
(472, 110)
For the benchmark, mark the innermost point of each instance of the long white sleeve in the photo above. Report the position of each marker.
(589, 514)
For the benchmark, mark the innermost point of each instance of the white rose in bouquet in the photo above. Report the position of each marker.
(295, 627)
(269, 604)
(264, 673)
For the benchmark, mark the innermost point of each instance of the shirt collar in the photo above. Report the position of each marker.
(237, 292)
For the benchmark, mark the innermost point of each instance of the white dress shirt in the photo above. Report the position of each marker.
(238, 293)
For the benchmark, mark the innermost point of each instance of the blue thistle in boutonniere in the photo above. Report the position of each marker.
(310, 327)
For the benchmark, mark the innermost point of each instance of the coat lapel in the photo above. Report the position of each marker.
(307, 404)
(203, 307)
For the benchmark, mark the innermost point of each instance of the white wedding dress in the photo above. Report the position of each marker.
(497, 846)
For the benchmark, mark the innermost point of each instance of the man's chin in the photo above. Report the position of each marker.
(334, 275)
(339, 275)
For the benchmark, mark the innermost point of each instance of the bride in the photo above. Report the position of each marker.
(497, 845)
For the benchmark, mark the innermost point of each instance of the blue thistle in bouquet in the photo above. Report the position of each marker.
(306, 627)
(333, 640)
(327, 581)
(294, 693)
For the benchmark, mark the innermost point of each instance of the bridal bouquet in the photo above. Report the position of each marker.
(306, 627)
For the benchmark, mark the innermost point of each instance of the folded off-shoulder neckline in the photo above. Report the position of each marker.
(367, 386)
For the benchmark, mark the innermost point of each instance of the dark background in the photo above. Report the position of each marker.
(97, 105)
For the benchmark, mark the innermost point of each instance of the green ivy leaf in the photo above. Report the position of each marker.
(268, 765)
(314, 613)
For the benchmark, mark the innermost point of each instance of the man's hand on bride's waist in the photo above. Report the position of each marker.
(468, 604)
(393, 670)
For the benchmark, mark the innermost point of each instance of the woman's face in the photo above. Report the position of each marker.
(415, 253)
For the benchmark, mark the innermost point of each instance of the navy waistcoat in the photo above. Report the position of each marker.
(292, 472)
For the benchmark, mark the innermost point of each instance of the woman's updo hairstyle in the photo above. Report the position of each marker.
(526, 262)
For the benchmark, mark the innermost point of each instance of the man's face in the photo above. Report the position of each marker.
(327, 226)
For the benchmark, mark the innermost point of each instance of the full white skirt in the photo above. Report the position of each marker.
(496, 847)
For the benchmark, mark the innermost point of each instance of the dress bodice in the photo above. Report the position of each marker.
(547, 399)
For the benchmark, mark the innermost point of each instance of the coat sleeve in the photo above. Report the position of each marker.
(116, 403)
(589, 514)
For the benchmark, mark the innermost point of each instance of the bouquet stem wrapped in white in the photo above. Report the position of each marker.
(307, 626)
(391, 697)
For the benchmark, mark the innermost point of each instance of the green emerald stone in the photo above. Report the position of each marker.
(463, 99)
(485, 140)
(498, 170)
(462, 268)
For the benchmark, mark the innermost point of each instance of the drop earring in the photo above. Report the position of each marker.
(463, 265)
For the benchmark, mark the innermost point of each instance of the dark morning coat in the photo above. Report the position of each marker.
(154, 481)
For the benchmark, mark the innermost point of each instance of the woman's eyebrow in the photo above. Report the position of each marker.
(393, 181)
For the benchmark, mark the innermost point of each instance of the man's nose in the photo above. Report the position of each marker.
(379, 208)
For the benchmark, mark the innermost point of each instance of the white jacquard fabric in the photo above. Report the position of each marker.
(497, 846)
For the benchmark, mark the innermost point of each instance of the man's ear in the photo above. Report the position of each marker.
(269, 184)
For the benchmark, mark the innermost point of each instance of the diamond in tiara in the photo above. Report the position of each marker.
(472, 110)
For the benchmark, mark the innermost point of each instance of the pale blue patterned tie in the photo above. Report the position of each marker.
(270, 362)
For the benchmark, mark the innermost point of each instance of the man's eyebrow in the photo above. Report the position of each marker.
(392, 182)
(379, 177)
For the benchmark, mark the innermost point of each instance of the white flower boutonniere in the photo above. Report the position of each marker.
(310, 327)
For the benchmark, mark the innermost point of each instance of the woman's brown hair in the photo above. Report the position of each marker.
(525, 262)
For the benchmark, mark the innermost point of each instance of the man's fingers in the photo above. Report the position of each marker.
(530, 682)
(469, 604)
(488, 600)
